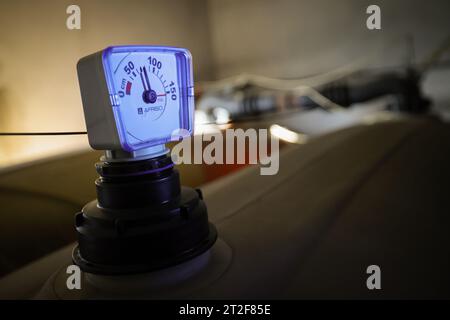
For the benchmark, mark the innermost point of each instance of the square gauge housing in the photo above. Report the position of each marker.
(136, 97)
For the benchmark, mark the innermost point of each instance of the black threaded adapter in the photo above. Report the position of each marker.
(142, 220)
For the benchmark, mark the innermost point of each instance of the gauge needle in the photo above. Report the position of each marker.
(146, 78)
(149, 95)
(142, 79)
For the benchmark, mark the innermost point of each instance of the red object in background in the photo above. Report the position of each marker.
(215, 171)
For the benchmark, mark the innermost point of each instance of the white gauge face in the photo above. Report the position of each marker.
(147, 87)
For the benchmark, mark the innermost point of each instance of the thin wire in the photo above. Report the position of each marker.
(237, 121)
(296, 85)
(310, 81)
(67, 133)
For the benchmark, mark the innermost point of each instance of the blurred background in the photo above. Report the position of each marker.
(287, 39)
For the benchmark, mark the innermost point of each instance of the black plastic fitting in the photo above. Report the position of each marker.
(142, 220)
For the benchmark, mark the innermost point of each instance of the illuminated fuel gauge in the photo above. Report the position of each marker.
(136, 97)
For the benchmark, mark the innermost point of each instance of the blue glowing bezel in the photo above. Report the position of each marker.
(186, 93)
